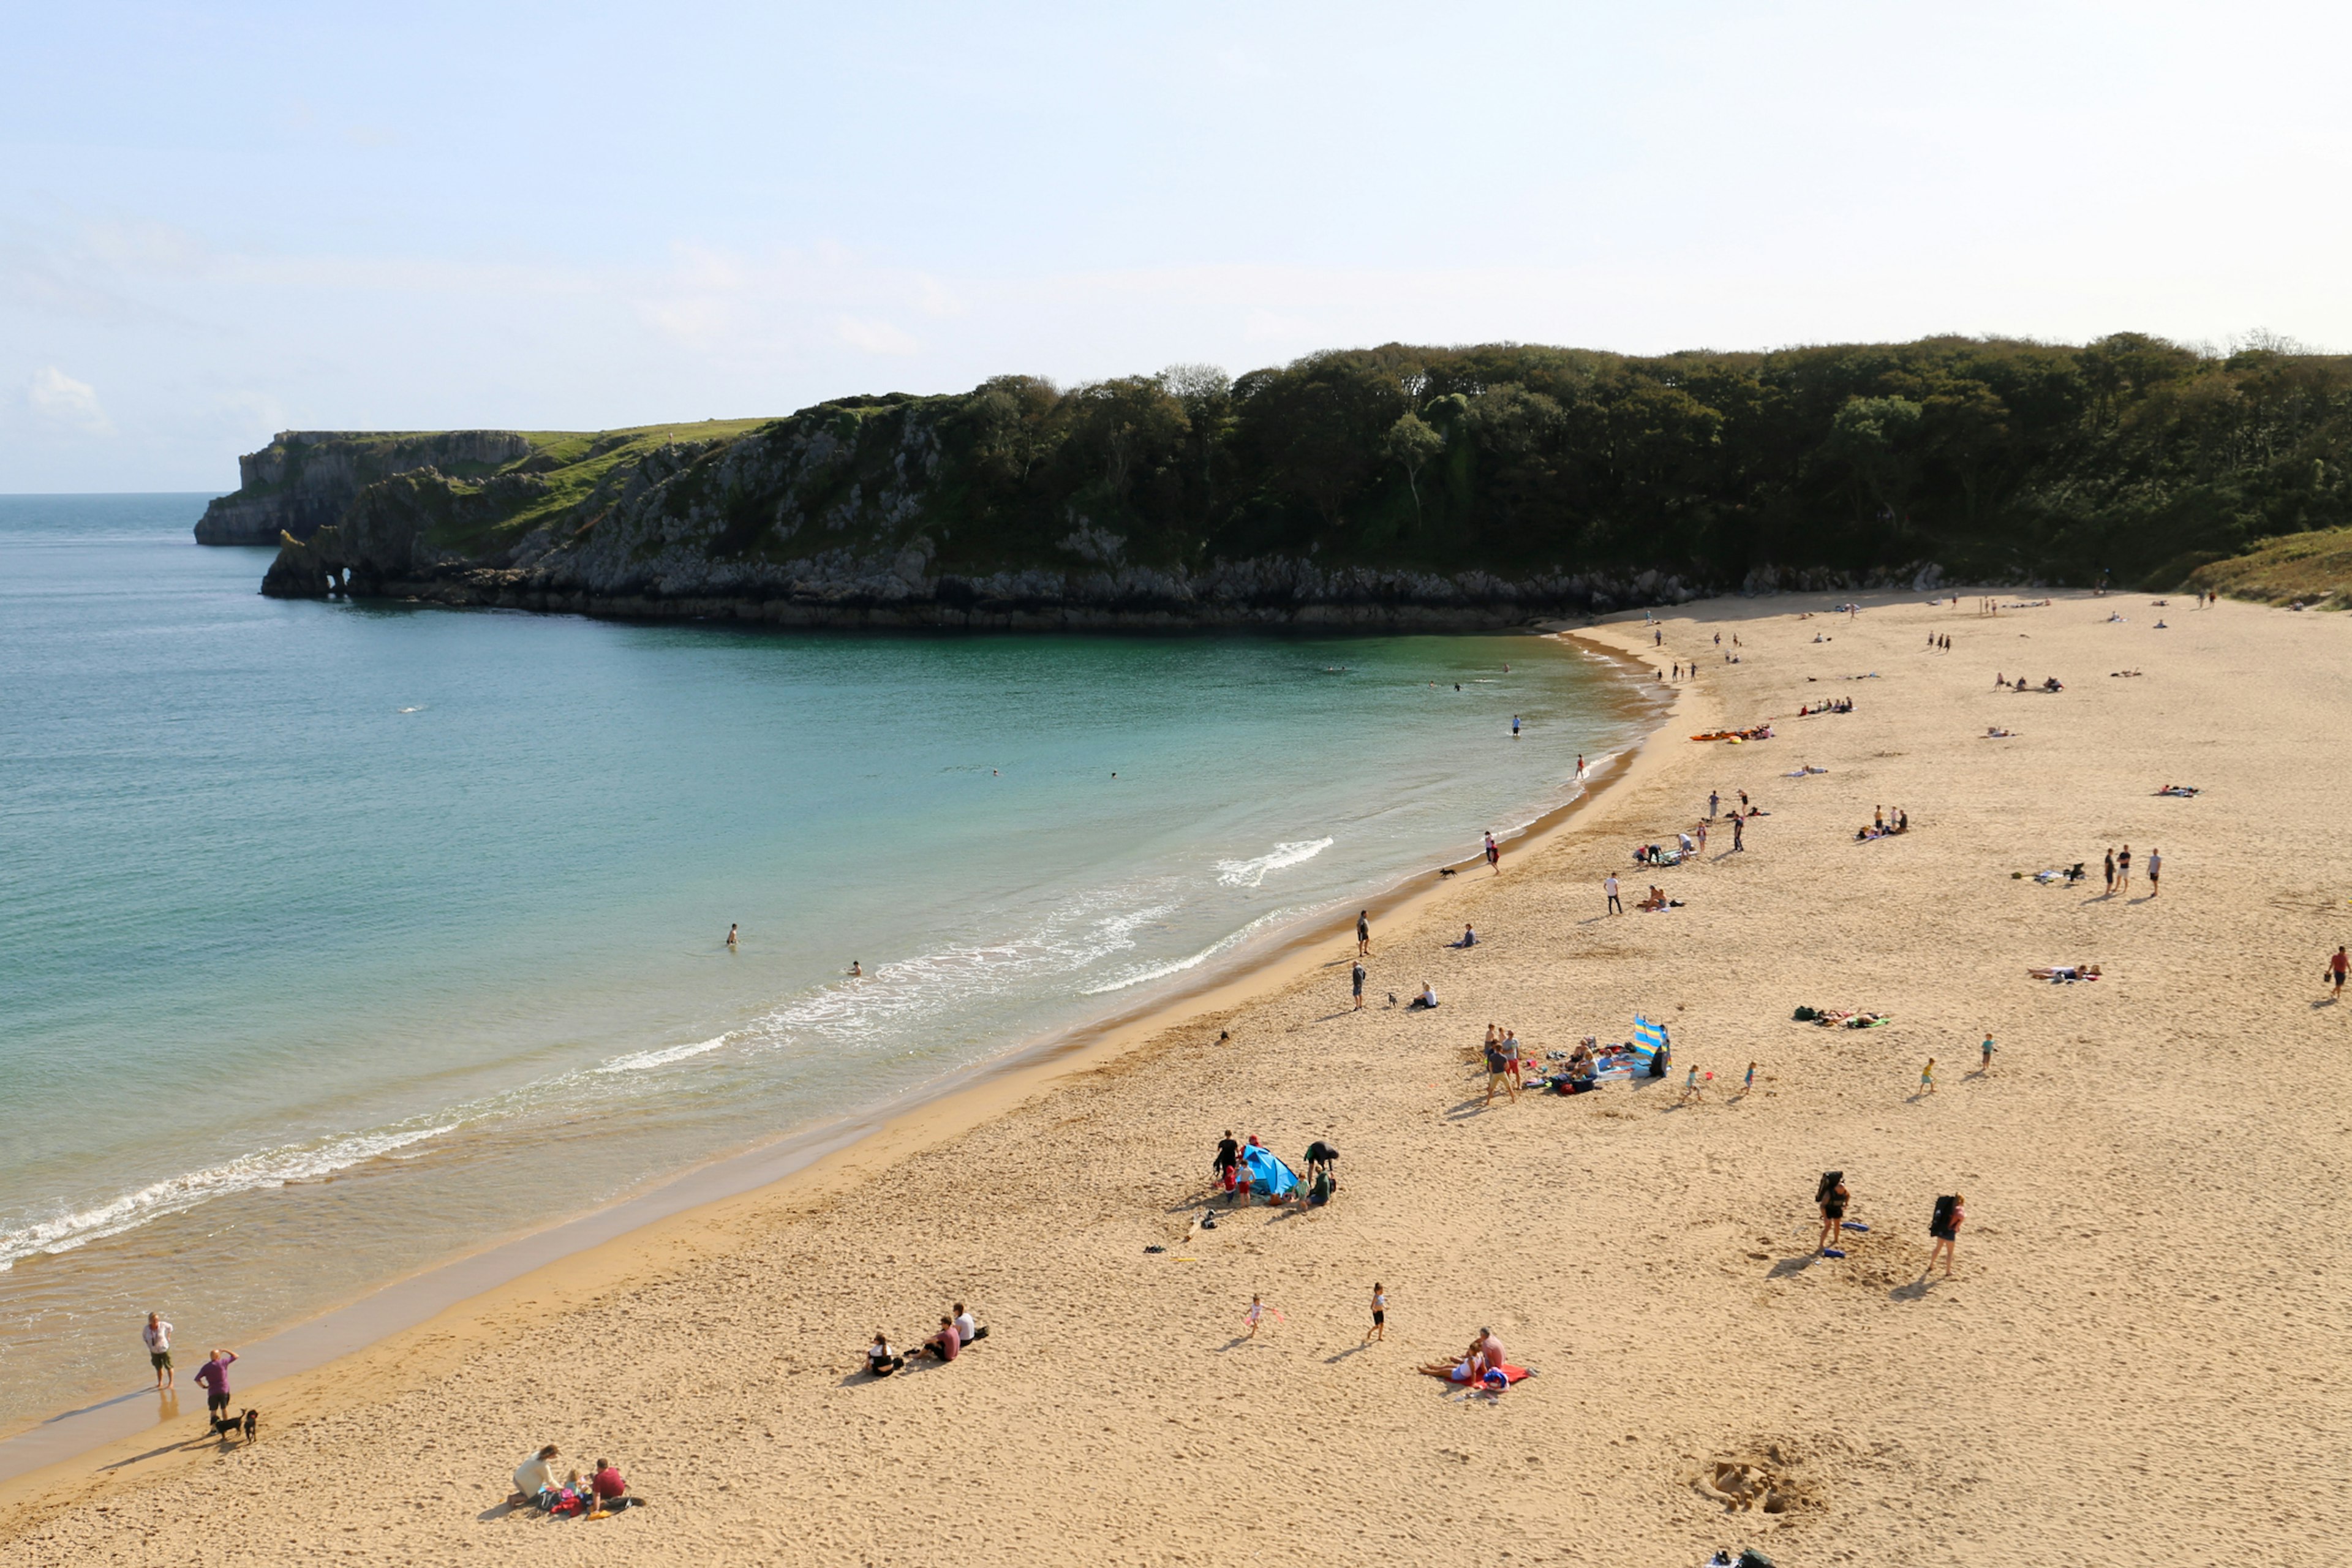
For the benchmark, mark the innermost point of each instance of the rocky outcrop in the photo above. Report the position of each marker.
(304, 480)
(869, 515)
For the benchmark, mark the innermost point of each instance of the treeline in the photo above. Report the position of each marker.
(2131, 457)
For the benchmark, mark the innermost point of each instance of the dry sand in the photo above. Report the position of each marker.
(2140, 1360)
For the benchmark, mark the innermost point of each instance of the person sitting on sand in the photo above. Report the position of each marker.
(612, 1491)
(1469, 939)
(944, 1345)
(1426, 999)
(534, 1479)
(880, 1359)
(966, 1328)
(1656, 901)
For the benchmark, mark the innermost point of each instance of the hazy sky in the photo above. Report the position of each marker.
(218, 220)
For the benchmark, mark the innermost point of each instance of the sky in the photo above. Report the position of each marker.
(222, 220)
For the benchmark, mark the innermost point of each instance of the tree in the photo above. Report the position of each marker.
(1411, 442)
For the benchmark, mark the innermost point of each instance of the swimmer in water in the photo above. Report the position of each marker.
(854, 971)
(731, 933)
(1514, 726)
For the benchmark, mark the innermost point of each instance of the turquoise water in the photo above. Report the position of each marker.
(335, 940)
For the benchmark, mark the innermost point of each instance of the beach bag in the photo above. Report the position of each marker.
(1751, 1558)
(1658, 1062)
(1941, 1225)
(1804, 1015)
(1828, 1189)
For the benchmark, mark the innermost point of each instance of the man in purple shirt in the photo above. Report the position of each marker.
(214, 1375)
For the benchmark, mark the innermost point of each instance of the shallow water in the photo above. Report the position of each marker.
(336, 940)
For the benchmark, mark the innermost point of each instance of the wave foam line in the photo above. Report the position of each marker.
(277, 1167)
(1179, 965)
(1252, 873)
(638, 1061)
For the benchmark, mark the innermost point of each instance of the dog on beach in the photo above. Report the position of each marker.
(229, 1426)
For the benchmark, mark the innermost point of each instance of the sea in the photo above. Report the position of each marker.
(340, 939)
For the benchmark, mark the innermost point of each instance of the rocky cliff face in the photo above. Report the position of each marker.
(304, 480)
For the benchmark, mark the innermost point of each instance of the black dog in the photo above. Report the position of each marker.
(229, 1426)
(1446, 871)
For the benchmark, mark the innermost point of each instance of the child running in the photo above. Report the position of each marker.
(1258, 1311)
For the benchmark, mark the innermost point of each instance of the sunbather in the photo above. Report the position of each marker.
(2065, 972)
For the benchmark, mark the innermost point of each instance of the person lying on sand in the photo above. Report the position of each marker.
(1995, 733)
(2065, 972)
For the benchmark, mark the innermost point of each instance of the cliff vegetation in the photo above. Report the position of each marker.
(1463, 485)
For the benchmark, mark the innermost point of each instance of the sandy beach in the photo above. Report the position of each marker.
(2135, 1363)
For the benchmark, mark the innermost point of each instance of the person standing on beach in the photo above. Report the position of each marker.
(730, 935)
(213, 1377)
(1927, 1076)
(1946, 1229)
(2111, 870)
(1748, 1084)
(1228, 1156)
(1608, 886)
(1832, 1198)
(1714, 802)
(1498, 1073)
(158, 1336)
(1380, 1329)
(2335, 968)
(1739, 833)
(1514, 726)
(1701, 831)
(1363, 934)
(1359, 981)
(2123, 872)
(1580, 767)
(2154, 870)
(1258, 1311)
(1493, 857)
(1987, 1066)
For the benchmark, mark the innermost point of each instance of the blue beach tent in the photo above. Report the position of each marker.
(1268, 1175)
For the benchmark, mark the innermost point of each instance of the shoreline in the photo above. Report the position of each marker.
(2109, 1372)
(474, 1284)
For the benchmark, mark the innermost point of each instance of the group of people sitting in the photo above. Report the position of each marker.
(1840, 705)
(1881, 828)
(1481, 1366)
(603, 1492)
(955, 1333)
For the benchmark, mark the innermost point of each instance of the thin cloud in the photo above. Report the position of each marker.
(876, 337)
(58, 400)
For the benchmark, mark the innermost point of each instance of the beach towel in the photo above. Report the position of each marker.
(1268, 1175)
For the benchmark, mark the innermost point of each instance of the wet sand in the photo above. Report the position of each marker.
(2133, 1364)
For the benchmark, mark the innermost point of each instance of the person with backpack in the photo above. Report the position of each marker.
(1832, 1197)
(1945, 1226)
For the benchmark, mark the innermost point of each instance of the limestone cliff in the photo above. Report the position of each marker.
(305, 479)
(850, 516)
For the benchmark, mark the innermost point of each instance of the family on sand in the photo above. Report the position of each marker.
(954, 1333)
(603, 1492)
